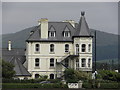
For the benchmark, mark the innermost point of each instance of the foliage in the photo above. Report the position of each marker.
(7, 70)
(72, 75)
(32, 85)
(113, 85)
(108, 75)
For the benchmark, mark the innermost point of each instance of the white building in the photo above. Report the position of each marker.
(54, 46)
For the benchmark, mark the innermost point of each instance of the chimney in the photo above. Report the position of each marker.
(9, 45)
(72, 22)
(43, 28)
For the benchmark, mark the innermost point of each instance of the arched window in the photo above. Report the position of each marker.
(51, 76)
(37, 62)
(37, 76)
(52, 62)
(83, 48)
(77, 64)
(89, 47)
(83, 62)
(51, 47)
(66, 48)
(89, 62)
(37, 47)
(77, 49)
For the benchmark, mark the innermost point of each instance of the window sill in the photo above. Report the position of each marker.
(52, 53)
(37, 68)
(37, 52)
(52, 67)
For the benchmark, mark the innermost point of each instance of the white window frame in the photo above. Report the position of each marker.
(37, 48)
(83, 64)
(37, 63)
(52, 63)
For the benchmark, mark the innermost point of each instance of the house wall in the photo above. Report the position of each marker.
(44, 55)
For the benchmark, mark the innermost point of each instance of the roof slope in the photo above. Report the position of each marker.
(59, 27)
(16, 57)
(19, 68)
(82, 27)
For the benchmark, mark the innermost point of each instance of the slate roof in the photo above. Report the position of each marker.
(16, 57)
(80, 29)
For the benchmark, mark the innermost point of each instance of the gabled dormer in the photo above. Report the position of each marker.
(52, 32)
(66, 32)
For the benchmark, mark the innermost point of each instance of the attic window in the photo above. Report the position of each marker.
(52, 34)
(66, 34)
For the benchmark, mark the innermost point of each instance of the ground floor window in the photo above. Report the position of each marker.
(89, 61)
(51, 76)
(37, 76)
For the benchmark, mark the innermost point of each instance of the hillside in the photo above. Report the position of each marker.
(106, 42)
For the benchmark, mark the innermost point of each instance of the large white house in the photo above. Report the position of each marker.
(54, 46)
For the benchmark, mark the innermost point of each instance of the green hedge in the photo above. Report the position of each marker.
(110, 85)
(32, 85)
(102, 85)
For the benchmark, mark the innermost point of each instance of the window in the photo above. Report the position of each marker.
(66, 63)
(77, 49)
(52, 34)
(52, 62)
(89, 61)
(66, 34)
(83, 48)
(51, 76)
(37, 62)
(66, 48)
(37, 46)
(77, 64)
(37, 76)
(83, 62)
(89, 47)
(52, 48)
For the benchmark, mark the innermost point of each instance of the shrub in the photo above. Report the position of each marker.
(109, 75)
(32, 85)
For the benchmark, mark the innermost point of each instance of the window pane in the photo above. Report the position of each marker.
(83, 47)
(51, 76)
(51, 48)
(66, 48)
(83, 62)
(89, 47)
(37, 62)
(52, 62)
(36, 47)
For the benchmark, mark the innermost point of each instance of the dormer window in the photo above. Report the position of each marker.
(52, 32)
(66, 32)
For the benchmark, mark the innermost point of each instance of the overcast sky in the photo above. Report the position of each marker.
(17, 16)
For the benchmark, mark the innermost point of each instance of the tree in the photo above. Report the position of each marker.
(7, 70)
(72, 75)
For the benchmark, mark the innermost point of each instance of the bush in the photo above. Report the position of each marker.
(109, 75)
(109, 85)
(32, 85)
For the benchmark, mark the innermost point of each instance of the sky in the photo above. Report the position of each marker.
(16, 16)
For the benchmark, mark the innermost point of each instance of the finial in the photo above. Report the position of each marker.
(82, 13)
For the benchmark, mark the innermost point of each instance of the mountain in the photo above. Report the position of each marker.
(107, 43)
